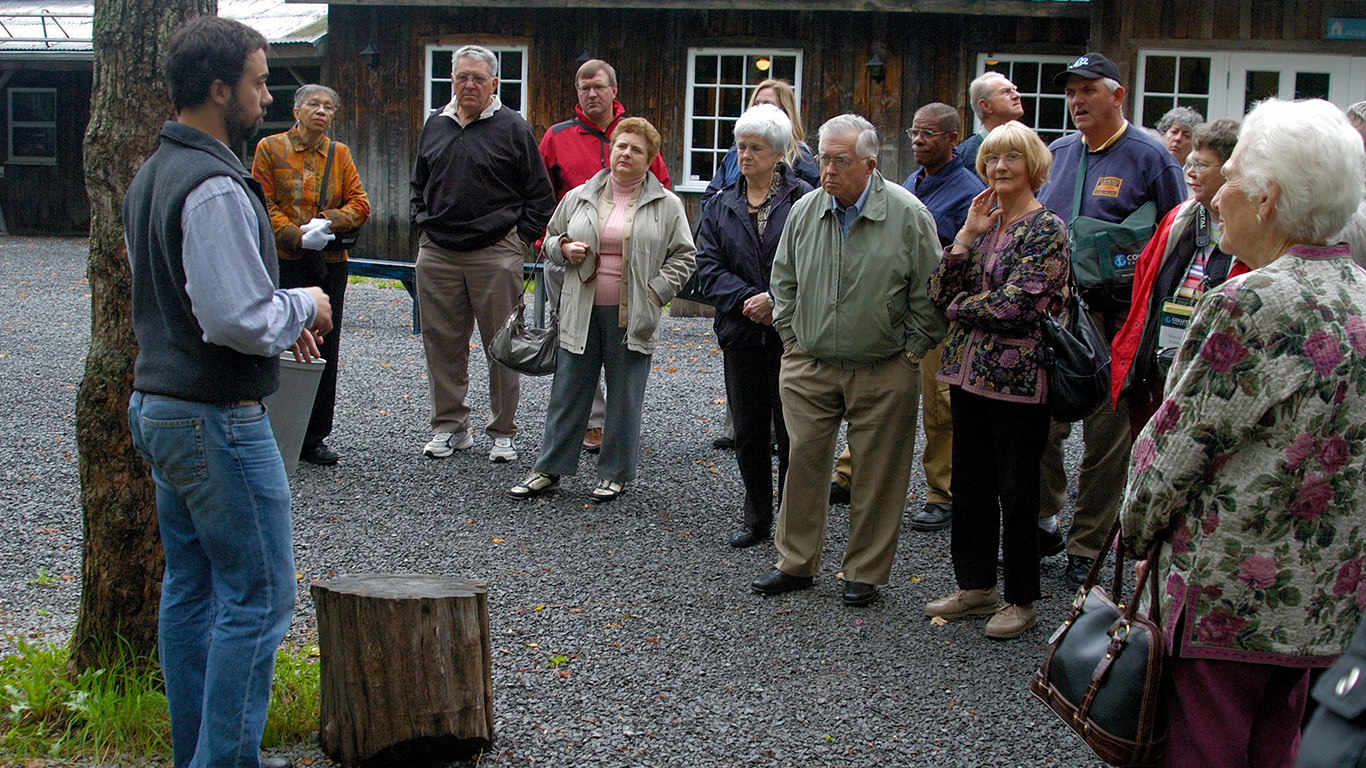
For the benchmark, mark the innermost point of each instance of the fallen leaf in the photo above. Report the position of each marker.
(499, 541)
(938, 621)
(533, 645)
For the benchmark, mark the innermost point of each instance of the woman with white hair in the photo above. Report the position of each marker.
(1246, 488)
(735, 245)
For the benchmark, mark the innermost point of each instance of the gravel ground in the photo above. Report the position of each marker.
(670, 660)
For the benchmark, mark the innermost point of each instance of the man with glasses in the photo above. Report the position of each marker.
(850, 302)
(574, 151)
(480, 195)
(995, 101)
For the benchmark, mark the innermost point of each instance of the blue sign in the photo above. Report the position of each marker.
(1346, 29)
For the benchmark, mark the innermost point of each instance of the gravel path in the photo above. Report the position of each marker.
(671, 661)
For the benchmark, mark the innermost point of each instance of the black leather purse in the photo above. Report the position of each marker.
(1077, 363)
(1103, 673)
(1336, 734)
(526, 348)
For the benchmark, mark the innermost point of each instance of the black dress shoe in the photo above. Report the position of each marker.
(1051, 542)
(319, 454)
(1078, 568)
(934, 516)
(723, 443)
(856, 593)
(775, 582)
(748, 536)
(838, 493)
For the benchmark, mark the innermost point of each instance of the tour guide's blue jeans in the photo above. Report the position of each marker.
(228, 591)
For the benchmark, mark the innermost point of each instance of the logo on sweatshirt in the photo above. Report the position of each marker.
(1108, 186)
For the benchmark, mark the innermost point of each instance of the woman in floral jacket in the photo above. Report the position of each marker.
(1004, 273)
(1247, 484)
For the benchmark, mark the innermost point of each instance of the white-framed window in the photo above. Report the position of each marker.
(1045, 108)
(720, 82)
(33, 126)
(1229, 83)
(512, 76)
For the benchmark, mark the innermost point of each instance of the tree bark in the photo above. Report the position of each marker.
(121, 549)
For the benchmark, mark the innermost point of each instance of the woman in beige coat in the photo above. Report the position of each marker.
(627, 248)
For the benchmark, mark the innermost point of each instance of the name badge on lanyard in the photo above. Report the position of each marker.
(1173, 320)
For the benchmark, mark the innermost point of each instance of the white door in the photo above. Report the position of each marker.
(1256, 76)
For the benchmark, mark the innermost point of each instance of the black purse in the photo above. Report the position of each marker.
(341, 241)
(1103, 672)
(526, 348)
(1077, 362)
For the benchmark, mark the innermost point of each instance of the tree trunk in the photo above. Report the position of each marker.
(121, 550)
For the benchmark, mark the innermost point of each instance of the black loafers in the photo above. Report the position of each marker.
(1051, 542)
(748, 536)
(319, 454)
(775, 582)
(857, 594)
(1078, 568)
(932, 517)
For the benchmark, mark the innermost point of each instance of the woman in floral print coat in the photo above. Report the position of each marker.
(1003, 274)
(1247, 484)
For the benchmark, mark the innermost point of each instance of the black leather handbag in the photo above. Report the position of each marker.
(1103, 673)
(1077, 363)
(526, 348)
(1336, 734)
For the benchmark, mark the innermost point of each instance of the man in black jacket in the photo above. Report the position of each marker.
(480, 194)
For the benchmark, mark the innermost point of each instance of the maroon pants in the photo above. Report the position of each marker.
(1233, 714)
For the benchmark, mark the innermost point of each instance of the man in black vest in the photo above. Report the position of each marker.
(210, 324)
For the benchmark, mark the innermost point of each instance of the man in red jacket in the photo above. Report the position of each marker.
(574, 151)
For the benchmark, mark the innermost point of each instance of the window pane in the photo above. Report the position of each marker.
(1000, 66)
(785, 68)
(1050, 136)
(702, 134)
(1260, 85)
(1160, 75)
(732, 101)
(34, 142)
(1194, 75)
(702, 165)
(510, 65)
(1026, 76)
(33, 106)
(704, 101)
(511, 94)
(441, 93)
(704, 70)
(441, 63)
(732, 69)
(1199, 105)
(727, 137)
(1311, 85)
(1030, 104)
(1046, 74)
(1154, 107)
(1051, 114)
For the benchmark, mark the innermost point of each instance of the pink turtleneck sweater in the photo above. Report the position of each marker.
(608, 290)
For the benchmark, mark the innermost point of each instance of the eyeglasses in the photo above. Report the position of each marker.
(841, 162)
(922, 132)
(1195, 166)
(463, 78)
(1011, 158)
(598, 88)
(325, 106)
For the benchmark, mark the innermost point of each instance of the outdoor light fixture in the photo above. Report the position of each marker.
(370, 55)
(877, 69)
(762, 63)
(586, 55)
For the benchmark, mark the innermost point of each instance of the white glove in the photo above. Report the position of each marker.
(314, 239)
(317, 223)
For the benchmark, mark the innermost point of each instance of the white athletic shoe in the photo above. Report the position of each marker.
(443, 444)
(504, 449)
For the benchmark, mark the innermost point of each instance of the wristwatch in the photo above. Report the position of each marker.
(769, 294)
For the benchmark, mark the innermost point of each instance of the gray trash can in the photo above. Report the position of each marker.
(292, 404)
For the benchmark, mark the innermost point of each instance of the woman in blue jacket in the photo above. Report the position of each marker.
(735, 244)
(795, 153)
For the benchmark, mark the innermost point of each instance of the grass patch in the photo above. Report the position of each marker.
(120, 712)
(375, 281)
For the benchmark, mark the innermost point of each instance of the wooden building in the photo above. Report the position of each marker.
(46, 61)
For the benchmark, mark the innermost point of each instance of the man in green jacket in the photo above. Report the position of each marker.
(850, 303)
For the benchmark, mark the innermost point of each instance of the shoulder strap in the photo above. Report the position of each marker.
(1081, 179)
(327, 171)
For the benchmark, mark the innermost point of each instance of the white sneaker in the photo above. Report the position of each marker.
(504, 449)
(443, 444)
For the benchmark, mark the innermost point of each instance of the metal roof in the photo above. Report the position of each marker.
(63, 28)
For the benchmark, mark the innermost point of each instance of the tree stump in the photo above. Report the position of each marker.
(406, 668)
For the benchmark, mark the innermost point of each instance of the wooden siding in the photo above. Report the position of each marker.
(929, 57)
(49, 199)
(1018, 8)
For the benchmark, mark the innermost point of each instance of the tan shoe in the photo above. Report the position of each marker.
(592, 439)
(1012, 621)
(964, 602)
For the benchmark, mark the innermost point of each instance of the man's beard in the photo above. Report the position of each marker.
(239, 126)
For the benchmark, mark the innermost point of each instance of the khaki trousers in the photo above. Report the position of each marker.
(456, 290)
(1101, 477)
(937, 418)
(879, 403)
